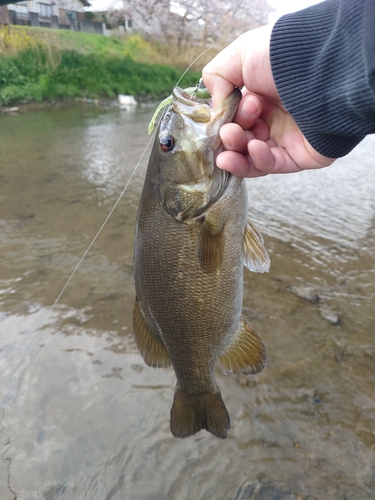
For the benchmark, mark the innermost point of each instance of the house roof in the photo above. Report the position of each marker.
(86, 3)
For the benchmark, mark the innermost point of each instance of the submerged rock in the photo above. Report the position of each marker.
(328, 314)
(305, 292)
(10, 110)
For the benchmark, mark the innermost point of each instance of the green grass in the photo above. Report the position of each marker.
(39, 64)
(84, 43)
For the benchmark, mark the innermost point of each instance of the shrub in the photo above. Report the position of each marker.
(32, 69)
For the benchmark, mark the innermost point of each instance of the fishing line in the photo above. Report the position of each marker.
(104, 223)
(32, 344)
(198, 57)
(126, 185)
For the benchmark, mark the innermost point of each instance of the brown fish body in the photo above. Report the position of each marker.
(189, 249)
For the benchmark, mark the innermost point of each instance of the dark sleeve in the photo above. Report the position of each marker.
(323, 64)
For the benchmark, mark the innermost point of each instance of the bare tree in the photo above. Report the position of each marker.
(152, 18)
(116, 17)
(200, 22)
(227, 20)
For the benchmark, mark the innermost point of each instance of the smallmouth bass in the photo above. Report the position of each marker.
(192, 239)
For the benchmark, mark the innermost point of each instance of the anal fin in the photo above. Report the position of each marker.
(151, 348)
(245, 354)
(255, 255)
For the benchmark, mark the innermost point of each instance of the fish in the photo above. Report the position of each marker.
(192, 239)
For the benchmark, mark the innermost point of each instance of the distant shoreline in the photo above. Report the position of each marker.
(104, 103)
(44, 65)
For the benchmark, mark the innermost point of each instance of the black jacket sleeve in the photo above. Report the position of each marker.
(323, 63)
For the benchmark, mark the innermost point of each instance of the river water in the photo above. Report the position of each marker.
(82, 417)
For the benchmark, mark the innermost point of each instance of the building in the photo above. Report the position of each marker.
(57, 14)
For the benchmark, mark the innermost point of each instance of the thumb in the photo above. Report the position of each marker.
(223, 73)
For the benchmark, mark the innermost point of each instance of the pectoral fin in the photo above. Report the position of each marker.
(210, 245)
(245, 354)
(151, 348)
(255, 255)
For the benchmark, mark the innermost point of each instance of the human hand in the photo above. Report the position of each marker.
(263, 138)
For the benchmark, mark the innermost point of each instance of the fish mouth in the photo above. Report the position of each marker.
(195, 108)
(200, 109)
(194, 182)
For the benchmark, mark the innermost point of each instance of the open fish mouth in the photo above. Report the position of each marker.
(190, 142)
(201, 120)
(200, 110)
(196, 108)
(186, 101)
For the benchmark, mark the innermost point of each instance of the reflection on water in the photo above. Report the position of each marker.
(82, 417)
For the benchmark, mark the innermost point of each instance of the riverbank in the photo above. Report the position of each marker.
(44, 65)
(24, 107)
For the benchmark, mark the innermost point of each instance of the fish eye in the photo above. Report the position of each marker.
(167, 143)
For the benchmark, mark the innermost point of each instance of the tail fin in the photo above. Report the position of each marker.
(190, 413)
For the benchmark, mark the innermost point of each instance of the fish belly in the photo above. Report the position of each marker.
(194, 311)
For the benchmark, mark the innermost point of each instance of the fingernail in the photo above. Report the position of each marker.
(227, 144)
(218, 162)
(249, 107)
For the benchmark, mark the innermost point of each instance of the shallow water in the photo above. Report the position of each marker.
(82, 417)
